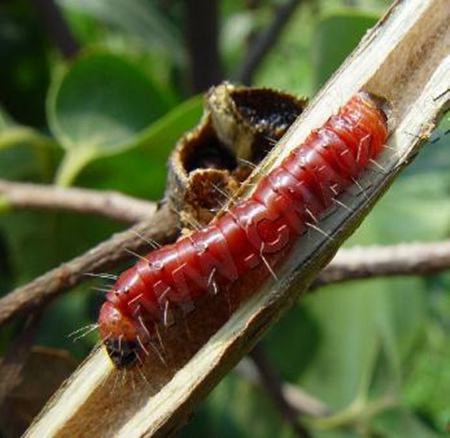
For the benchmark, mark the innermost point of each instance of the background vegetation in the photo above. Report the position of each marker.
(100, 102)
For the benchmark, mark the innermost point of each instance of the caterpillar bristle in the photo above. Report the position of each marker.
(254, 234)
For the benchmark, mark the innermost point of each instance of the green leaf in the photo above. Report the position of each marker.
(169, 128)
(6, 120)
(103, 101)
(25, 153)
(16, 135)
(361, 341)
(401, 423)
(139, 18)
(234, 405)
(141, 171)
(336, 36)
(39, 241)
(289, 65)
(99, 107)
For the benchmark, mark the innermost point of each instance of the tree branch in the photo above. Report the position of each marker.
(299, 400)
(419, 258)
(264, 42)
(107, 204)
(14, 360)
(201, 17)
(162, 227)
(271, 382)
(385, 261)
(57, 28)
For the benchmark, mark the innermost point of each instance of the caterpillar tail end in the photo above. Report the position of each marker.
(123, 354)
(119, 336)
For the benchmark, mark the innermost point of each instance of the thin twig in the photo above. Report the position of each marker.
(356, 263)
(162, 227)
(349, 264)
(16, 356)
(107, 204)
(202, 41)
(421, 258)
(273, 385)
(265, 41)
(299, 400)
(57, 28)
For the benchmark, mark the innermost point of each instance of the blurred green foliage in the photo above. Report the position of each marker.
(112, 116)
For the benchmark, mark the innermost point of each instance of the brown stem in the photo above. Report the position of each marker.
(385, 261)
(107, 204)
(16, 356)
(57, 28)
(299, 400)
(349, 264)
(202, 40)
(273, 385)
(162, 227)
(265, 41)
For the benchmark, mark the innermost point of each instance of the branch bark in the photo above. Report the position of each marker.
(409, 259)
(272, 383)
(202, 40)
(405, 59)
(14, 360)
(349, 264)
(385, 261)
(298, 399)
(420, 258)
(109, 204)
(263, 42)
(162, 227)
(57, 28)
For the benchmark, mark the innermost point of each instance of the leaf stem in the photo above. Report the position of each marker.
(359, 410)
(73, 162)
(12, 137)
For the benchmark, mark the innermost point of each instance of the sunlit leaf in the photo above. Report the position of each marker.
(141, 170)
(98, 107)
(5, 120)
(335, 37)
(104, 101)
(137, 17)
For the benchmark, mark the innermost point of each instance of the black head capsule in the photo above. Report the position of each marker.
(123, 353)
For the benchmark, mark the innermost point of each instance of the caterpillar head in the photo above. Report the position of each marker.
(119, 334)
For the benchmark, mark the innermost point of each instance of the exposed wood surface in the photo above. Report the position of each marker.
(406, 59)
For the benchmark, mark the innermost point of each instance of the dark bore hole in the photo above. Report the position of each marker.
(267, 109)
(211, 155)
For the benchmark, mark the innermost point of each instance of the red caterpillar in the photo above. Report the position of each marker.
(250, 235)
